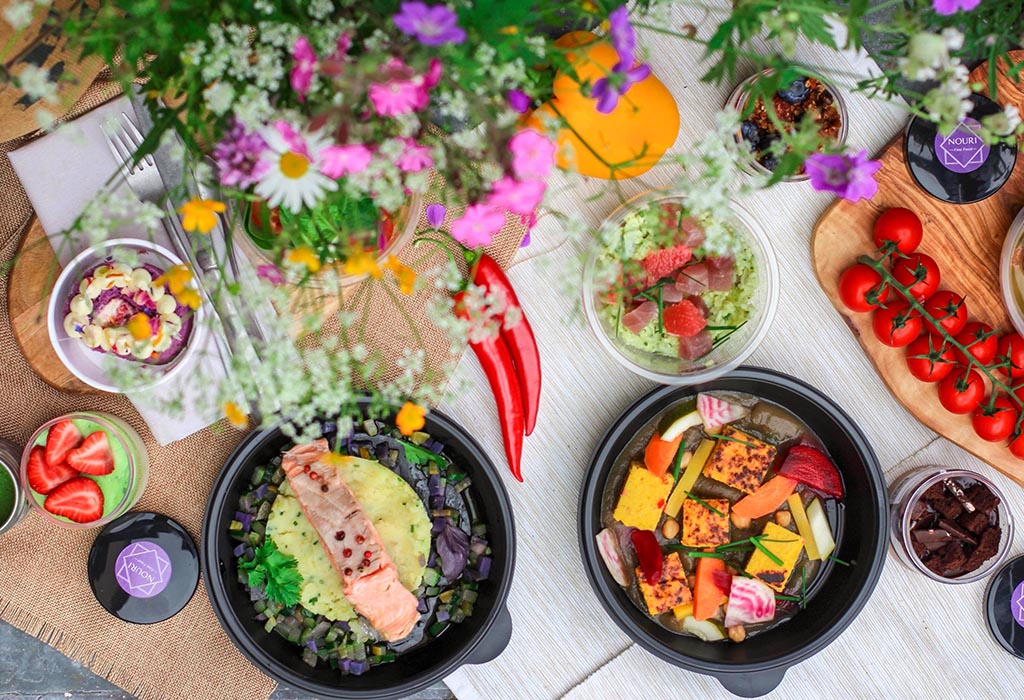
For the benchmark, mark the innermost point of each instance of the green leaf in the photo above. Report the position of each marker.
(276, 572)
(421, 455)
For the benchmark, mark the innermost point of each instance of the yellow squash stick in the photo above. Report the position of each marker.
(803, 526)
(689, 477)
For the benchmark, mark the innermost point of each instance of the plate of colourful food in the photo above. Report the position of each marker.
(736, 527)
(361, 565)
(123, 314)
(676, 297)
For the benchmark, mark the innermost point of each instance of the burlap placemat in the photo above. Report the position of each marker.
(44, 587)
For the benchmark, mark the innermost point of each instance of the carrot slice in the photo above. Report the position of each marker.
(768, 497)
(707, 594)
(659, 453)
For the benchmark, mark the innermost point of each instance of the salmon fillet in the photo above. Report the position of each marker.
(369, 577)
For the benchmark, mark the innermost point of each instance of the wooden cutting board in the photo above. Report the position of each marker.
(965, 240)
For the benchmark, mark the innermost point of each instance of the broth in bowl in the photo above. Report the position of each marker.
(719, 516)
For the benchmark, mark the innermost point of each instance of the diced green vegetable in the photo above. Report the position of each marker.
(708, 630)
(821, 529)
(681, 425)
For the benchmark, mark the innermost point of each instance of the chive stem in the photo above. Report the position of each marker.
(706, 505)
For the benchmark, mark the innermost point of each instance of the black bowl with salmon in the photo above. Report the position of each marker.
(365, 564)
(736, 527)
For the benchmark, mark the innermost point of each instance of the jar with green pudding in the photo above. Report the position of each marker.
(67, 452)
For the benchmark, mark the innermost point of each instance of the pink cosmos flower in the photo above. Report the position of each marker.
(414, 158)
(339, 161)
(270, 273)
(477, 226)
(850, 177)
(951, 7)
(304, 69)
(292, 138)
(533, 154)
(403, 91)
(518, 196)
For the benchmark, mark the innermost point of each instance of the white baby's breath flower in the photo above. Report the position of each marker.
(19, 14)
(927, 53)
(36, 84)
(1003, 123)
(45, 119)
(954, 38)
(219, 97)
(320, 9)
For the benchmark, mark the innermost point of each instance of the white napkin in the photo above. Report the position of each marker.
(62, 172)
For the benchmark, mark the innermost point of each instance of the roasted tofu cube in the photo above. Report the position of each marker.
(786, 546)
(670, 592)
(742, 464)
(643, 498)
(703, 527)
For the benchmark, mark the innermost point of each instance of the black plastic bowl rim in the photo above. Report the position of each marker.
(756, 676)
(487, 632)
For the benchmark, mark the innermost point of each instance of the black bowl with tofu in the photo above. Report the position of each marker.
(797, 553)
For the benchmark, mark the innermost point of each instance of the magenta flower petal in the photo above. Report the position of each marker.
(850, 177)
(519, 101)
(431, 25)
(951, 7)
(435, 215)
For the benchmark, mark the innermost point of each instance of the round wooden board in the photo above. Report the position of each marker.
(32, 276)
(966, 241)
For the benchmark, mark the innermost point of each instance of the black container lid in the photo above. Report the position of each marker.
(1004, 606)
(958, 167)
(143, 568)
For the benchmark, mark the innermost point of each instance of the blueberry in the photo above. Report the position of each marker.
(751, 134)
(796, 93)
(768, 160)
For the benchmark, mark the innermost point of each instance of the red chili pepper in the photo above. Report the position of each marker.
(496, 360)
(648, 553)
(521, 341)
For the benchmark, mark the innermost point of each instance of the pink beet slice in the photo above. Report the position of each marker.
(813, 468)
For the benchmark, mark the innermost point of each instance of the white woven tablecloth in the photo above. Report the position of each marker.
(914, 639)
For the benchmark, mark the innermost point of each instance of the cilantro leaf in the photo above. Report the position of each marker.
(276, 572)
(421, 455)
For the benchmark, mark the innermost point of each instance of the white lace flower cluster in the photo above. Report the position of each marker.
(929, 57)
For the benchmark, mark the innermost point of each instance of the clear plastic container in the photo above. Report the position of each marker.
(13, 504)
(724, 358)
(1011, 272)
(740, 95)
(904, 495)
(407, 220)
(122, 489)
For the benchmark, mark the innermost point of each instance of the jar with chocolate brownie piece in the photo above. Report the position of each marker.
(950, 524)
(799, 97)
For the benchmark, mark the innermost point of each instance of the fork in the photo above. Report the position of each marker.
(144, 180)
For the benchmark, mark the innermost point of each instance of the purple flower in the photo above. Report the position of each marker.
(609, 89)
(270, 273)
(850, 177)
(431, 25)
(621, 33)
(951, 7)
(435, 214)
(301, 77)
(519, 101)
(238, 157)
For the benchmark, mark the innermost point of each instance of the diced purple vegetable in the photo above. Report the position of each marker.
(239, 550)
(436, 446)
(422, 606)
(358, 668)
(477, 545)
(346, 665)
(443, 616)
(261, 492)
(311, 645)
(482, 571)
(438, 526)
(246, 502)
(246, 519)
(257, 594)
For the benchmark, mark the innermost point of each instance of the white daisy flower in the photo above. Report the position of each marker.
(293, 178)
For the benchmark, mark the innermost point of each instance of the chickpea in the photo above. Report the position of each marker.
(685, 459)
(670, 529)
(730, 570)
(737, 633)
(691, 581)
(783, 518)
(739, 522)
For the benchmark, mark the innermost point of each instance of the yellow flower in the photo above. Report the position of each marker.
(303, 255)
(510, 29)
(200, 214)
(138, 326)
(362, 263)
(235, 415)
(175, 278)
(410, 418)
(588, 6)
(404, 275)
(189, 297)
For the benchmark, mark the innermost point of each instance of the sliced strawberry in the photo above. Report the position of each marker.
(663, 263)
(813, 468)
(93, 456)
(41, 476)
(62, 438)
(683, 319)
(79, 500)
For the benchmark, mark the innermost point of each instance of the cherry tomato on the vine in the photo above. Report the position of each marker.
(980, 340)
(918, 272)
(1011, 350)
(896, 325)
(929, 359)
(1017, 446)
(948, 309)
(899, 228)
(861, 288)
(995, 421)
(961, 391)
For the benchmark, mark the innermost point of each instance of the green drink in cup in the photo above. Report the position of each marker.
(84, 470)
(12, 499)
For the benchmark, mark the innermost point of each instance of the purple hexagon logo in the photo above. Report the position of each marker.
(962, 151)
(143, 569)
(1017, 604)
